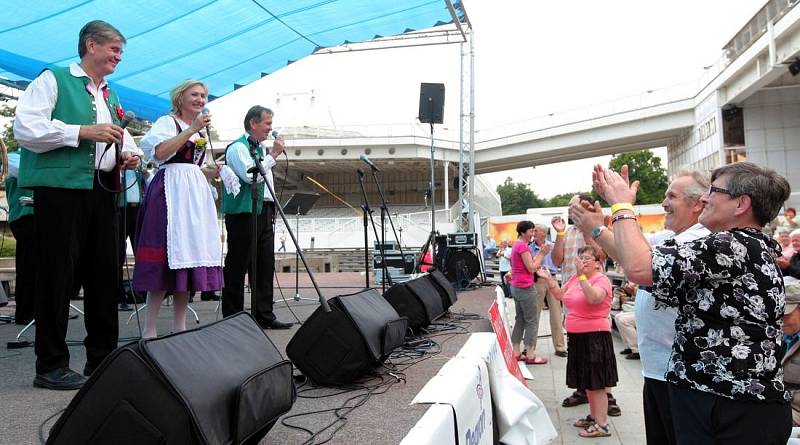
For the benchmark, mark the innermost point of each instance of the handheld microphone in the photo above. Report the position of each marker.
(371, 165)
(205, 110)
(275, 134)
(126, 119)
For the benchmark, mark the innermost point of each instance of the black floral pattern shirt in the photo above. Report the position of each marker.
(729, 295)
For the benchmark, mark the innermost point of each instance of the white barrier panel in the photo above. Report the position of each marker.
(463, 384)
(436, 427)
(521, 416)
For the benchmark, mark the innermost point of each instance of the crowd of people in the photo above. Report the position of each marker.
(710, 306)
(72, 216)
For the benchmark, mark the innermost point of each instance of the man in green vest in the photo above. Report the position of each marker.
(66, 120)
(20, 219)
(239, 156)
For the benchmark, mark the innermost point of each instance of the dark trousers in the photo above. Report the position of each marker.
(127, 231)
(76, 232)
(237, 263)
(22, 229)
(704, 418)
(657, 413)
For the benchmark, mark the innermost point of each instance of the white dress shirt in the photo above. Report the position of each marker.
(36, 130)
(239, 160)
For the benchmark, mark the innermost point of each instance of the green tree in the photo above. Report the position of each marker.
(517, 198)
(7, 132)
(562, 200)
(645, 167)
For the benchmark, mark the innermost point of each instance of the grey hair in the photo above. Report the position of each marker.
(767, 189)
(98, 31)
(795, 232)
(699, 186)
(255, 112)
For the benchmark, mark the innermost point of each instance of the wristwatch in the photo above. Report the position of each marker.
(597, 231)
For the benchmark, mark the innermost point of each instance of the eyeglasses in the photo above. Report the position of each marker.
(587, 258)
(712, 189)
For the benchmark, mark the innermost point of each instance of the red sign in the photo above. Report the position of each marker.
(505, 345)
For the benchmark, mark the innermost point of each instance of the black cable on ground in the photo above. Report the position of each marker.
(42, 439)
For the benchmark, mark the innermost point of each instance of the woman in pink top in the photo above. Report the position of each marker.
(591, 365)
(523, 267)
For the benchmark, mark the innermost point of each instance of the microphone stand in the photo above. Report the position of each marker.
(368, 212)
(259, 169)
(385, 211)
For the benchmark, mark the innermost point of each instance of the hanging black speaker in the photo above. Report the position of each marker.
(431, 103)
(337, 347)
(225, 382)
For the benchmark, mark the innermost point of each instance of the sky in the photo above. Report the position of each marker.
(532, 58)
(572, 54)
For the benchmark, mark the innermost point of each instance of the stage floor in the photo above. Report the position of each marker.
(384, 417)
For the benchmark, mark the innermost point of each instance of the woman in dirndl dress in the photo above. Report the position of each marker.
(178, 240)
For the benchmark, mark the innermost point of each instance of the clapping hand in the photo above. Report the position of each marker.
(542, 272)
(586, 216)
(558, 223)
(614, 187)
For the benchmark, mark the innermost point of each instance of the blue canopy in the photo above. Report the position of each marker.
(224, 43)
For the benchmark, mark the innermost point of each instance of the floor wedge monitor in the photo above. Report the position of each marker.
(418, 300)
(223, 383)
(337, 347)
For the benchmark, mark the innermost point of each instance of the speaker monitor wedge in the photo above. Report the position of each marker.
(225, 382)
(337, 347)
(422, 300)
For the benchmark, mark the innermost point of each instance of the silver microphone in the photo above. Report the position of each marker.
(205, 110)
(275, 134)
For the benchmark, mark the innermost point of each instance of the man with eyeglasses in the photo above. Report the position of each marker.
(725, 377)
(654, 323)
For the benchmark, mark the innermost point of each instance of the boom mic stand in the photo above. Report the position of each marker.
(259, 169)
(381, 247)
(386, 215)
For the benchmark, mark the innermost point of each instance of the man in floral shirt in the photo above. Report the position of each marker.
(726, 382)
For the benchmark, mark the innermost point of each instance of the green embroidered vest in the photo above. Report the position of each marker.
(67, 167)
(241, 203)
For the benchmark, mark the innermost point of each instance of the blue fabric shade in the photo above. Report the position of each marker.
(223, 43)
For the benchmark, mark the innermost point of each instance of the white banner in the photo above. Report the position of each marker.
(463, 384)
(436, 427)
(521, 416)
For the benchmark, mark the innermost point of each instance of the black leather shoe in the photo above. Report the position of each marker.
(633, 356)
(625, 351)
(60, 379)
(88, 369)
(124, 307)
(209, 296)
(275, 324)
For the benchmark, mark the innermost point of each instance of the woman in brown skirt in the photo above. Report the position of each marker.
(591, 365)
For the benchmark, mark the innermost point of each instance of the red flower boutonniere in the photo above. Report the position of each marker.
(120, 112)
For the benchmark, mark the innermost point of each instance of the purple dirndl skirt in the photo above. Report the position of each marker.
(152, 272)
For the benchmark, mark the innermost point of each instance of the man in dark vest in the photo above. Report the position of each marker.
(64, 121)
(239, 156)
